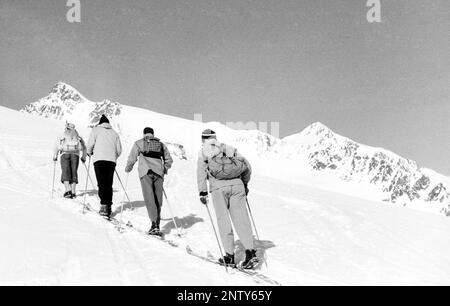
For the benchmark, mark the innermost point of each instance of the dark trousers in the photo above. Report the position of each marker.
(104, 172)
(69, 168)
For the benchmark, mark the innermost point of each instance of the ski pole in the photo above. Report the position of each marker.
(251, 217)
(123, 200)
(89, 176)
(171, 213)
(54, 173)
(254, 225)
(124, 190)
(215, 233)
(85, 188)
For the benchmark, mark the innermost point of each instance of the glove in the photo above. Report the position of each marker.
(55, 159)
(83, 160)
(204, 197)
(246, 189)
(128, 169)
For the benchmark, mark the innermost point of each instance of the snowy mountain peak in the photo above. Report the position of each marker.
(64, 102)
(58, 104)
(65, 93)
(313, 133)
(62, 87)
(317, 129)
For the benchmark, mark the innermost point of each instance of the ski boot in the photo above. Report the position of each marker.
(105, 211)
(154, 230)
(68, 195)
(227, 260)
(251, 260)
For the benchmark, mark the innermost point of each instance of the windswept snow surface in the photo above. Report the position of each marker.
(310, 235)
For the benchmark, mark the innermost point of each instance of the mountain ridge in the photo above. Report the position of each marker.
(399, 179)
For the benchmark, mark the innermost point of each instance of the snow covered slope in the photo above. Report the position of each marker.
(309, 235)
(317, 154)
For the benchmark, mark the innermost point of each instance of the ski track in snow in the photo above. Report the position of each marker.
(310, 236)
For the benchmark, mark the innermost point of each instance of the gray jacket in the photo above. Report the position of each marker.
(158, 166)
(104, 143)
(209, 148)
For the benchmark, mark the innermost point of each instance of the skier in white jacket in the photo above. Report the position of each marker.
(105, 147)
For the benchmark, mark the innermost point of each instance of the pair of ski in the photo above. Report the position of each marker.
(255, 275)
(161, 237)
(121, 226)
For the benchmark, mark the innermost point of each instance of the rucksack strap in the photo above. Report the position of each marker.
(78, 146)
(154, 154)
(223, 151)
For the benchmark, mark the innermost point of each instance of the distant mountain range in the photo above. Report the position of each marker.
(398, 179)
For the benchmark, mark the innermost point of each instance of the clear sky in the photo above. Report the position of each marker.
(289, 61)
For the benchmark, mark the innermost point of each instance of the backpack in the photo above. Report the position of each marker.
(224, 167)
(70, 144)
(153, 148)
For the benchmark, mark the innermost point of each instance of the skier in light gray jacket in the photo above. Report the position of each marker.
(154, 162)
(228, 174)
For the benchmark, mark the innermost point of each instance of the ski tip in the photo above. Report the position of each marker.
(250, 266)
(231, 266)
(160, 236)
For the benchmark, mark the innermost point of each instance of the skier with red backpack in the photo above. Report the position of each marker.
(154, 163)
(70, 144)
(228, 174)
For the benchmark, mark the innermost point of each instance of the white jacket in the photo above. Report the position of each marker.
(104, 144)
